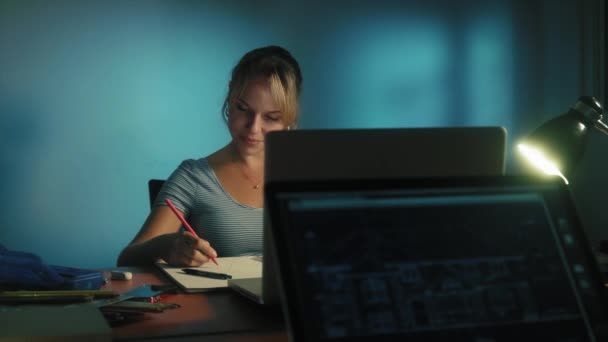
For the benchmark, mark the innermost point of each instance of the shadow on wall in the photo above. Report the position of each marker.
(21, 135)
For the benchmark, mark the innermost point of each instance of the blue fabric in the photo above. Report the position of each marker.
(22, 270)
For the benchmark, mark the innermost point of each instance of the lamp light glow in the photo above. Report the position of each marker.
(538, 159)
(556, 147)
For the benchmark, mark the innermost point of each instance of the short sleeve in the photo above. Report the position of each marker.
(180, 187)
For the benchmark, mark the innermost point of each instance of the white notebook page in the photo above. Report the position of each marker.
(237, 267)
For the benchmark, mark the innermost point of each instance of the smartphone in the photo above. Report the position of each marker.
(149, 293)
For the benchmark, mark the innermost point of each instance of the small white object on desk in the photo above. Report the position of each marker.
(121, 275)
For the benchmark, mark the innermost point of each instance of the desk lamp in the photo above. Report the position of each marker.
(557, 146)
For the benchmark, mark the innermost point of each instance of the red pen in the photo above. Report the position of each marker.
(185, 223)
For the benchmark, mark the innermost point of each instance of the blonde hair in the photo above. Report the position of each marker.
(282, 72)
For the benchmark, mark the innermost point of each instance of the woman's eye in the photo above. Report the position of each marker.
(272, 118)
(241, 108)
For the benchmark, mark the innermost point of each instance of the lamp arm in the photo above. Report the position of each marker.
(601, 126)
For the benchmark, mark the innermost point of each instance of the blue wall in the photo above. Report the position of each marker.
(98, 97)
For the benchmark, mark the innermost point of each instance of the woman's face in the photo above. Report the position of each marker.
(253, 114)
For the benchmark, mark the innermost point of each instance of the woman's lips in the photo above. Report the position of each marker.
(251, 141)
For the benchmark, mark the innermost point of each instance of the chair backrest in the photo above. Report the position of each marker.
(154, 186)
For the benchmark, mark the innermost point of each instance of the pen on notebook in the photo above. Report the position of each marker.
(185, 223)
(206, 274)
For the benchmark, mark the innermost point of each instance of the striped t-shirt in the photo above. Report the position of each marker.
(231, 228)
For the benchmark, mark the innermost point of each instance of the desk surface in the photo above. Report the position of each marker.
(221, 315)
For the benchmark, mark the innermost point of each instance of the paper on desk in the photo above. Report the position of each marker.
(237, 267)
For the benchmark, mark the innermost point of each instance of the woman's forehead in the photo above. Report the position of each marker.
(259, 96)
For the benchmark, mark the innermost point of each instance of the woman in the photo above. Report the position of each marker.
(222, 194)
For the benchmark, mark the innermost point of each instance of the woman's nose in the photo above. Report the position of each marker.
(254, 122)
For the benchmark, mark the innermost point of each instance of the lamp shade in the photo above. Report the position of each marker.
(560, 143)
(561, 140)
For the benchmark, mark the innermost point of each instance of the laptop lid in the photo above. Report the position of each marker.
(385, 153)
(310, 154)
(459, 259)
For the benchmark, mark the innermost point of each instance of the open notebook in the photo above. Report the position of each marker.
(238, 267)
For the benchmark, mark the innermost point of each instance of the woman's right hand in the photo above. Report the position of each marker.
(189, 250)
(161, 239)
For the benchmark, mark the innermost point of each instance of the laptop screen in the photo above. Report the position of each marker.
(501, 259)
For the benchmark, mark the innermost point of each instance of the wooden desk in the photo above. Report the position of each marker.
(219, 315)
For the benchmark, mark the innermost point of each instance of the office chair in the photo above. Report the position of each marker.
(154, 186)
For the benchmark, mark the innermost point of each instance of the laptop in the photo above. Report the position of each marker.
(442, 259)
(385, 153)
(310, 154)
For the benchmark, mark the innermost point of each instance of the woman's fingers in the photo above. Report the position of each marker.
(194, 251)
(188, 239)
(193, 257)
(205, 247)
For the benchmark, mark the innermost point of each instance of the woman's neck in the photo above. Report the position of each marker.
(254, 162)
